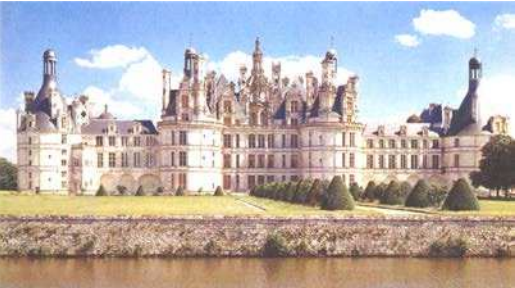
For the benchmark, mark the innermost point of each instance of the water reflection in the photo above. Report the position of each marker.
(228, 273)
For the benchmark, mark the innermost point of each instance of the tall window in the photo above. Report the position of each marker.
(227, 160)
(381, 143)
(436, 162)
(261, 161)
(112, 160)
(404, 144)
(414, 161)
(370, 161)
(64, 139)
(251, 181)
(227, 182)
(436, 144)
(294, 161)
(344, 138)
(184, 101)
(270, 140)
(227, 141)
(352, 139)
(425, 162)
(404, 162)
(284, 140)
(271, 161)
(392, 144)
(183, 159)
(99, 141)
(294, 106)
(172, 159)
(137, 159)
(352, 161)
(183, 180)
(261, 141)
(370, 143)
(284, 160)
(112, 140)
(392, 164)
(252, 161)
(124, 140)
(183, 138)
(237, 140)
(125, 159)
(237, 161)
(457, 160)
(456, 142)
(137, 141)
(294, 141)
(381, 161)
(344, 162)
(252, 141)
(414, 144)
(100, 160)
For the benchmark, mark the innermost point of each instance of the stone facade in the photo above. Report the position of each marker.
(247, 236)
(213, 132)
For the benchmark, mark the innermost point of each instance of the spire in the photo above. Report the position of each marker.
(257, 57)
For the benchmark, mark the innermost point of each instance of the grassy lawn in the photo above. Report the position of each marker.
(152, 205)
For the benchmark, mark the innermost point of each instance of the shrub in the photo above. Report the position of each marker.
(301, 194)
(461, 197)
(369, 193)
(419, 196)
(356, 191)
(392, 195)
(122, 190)
(219, 191)
(180, 191)
(315, 193)
(452, 247)
(140, 191)
(380, 190)
(289, 192)
(101, 191)
(337, 196)
(275, 246)
(160, 190)
(437, 195)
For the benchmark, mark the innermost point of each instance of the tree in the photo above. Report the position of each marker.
(392, 195)
(356, 191)
(219, 191)
(337, 196)
(461, 197)
(140, 191)
(289, 192)
(419, 196)
(496, 170)
(303, 188)
(315, 193)
(369, 193)
(8, 175)
(122, 190)
(101, 191)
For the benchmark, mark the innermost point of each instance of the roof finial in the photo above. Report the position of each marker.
(331, 43)
(475, 52)
(257, 43)
(105, 108)
(189, 40)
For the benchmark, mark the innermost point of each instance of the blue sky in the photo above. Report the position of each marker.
(396, 79)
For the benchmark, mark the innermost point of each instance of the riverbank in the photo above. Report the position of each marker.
(260, 235)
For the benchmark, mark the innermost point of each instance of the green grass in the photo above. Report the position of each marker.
(151, 205)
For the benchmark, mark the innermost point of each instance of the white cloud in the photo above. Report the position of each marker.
(121, 108)
(8, 132)
(446, 23)
(497, 97)
(407, 40)
(506, 21)
(143, 79)
(112, 57)
(292, 66)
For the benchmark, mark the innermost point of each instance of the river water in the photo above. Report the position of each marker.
(254, 272)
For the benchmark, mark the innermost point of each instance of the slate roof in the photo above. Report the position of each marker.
(412, 129)
(466, 119)
(432, 115)
(99, 126)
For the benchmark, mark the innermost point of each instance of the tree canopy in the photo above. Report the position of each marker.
(8, 175)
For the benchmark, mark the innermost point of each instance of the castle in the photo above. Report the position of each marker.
(213, 132)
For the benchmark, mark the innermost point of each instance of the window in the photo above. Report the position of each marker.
(30, 140)
(137, 141)
(100, 160)
(404, 162)
(112, 160)
(294, 106)
(172, 159)
(185, 116)
(227, 160)
(404, 144)
(392, 163)
(271, 162)
(392, 144)
(125, 159)
(137, 159)
(227, 141)
(425, 144)
(183, 138)
(237, 161)
(352, 179)
(124, 140)
(173, 138)
(237, 140)
(64, 139)
(381, 161)
(261, 179)
(284, 141)
(294, 141)
(436, 162)
(252, 141)
(270, 140)
(261, 161)
(227, 107)
(294, 121)
(425, 162)
(344, 142)
(414, 144)
(436, 144)
(284, 161)
(370, 161)
(270, 179)
(253, 119)
(352, 139)
(237, 182)
(252, 161)
(381, 143)
(457, 160)
(99, 141)
(63, 162)
(227, 182)
(183, 180)
(251, 181)
(294, 161)
(414, 162)
(343, 160)
(352, 160)
(112, 140)
(261, 141)
(184, 101)
(370, 143)
(183, 159)
(456, 142)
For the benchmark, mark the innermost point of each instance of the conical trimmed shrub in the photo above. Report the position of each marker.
(392, 195)
(219, 191)
(289, 192)
(180, 191)
(369, 193)
(101, 191)
(315, 193)
(140, 191)
(461, 197)
(356, 191)
(337, 196)
(419, 196)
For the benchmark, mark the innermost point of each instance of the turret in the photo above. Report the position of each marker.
(167, 79)
(329, 67)
(257, 59)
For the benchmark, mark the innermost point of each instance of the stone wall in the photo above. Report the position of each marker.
(247, 236)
